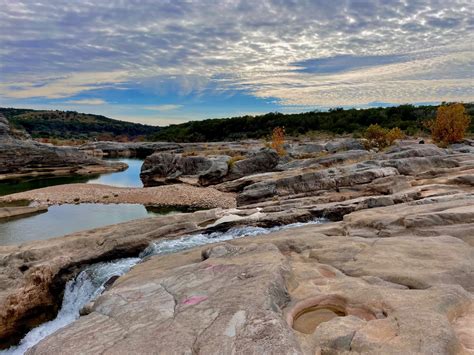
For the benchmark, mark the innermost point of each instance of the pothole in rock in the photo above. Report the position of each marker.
(306, 315)
(307, 320)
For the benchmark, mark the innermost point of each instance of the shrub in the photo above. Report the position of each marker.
(278, 139)
(450, 124)
(379, 137)
(394, 134)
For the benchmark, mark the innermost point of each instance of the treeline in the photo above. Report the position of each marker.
(409, 118)
(74, 125)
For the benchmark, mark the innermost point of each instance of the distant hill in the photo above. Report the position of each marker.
(409, 118)
(74, 125)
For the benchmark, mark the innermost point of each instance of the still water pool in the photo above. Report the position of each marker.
(65, 219)
(126, 178)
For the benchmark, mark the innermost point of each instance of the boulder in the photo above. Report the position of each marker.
(163, 168)
(216, 172)
(259, 162)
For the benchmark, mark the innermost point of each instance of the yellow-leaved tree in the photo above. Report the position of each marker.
(278, 140)
(450, 124)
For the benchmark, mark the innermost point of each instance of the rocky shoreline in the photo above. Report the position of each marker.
(392, 273)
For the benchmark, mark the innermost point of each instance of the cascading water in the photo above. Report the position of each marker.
(86, 286)
(89, 283)
(189, 241)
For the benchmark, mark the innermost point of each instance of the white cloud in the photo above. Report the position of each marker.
(49, 49)
(87, 102)
(61, 86)
(168, 107)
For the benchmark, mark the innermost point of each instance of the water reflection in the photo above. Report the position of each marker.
(66, 219)
(126, 178)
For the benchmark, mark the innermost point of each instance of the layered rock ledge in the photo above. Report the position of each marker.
(26, 158)
(393, 273)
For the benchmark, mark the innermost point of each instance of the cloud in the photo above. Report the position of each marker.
(61, 86)
(87, 102)
(168, 107)
(317, 52)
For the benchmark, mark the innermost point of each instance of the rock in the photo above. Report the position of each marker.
(21, 158)
(415, 150)
(344, 157)
(344, 144)
(33, 275)
(162, 168)
(259, 162)
(393, 275)
(216, 172)
(311, 182)
(394, 295)
(208, 311)
(301, 150)
(15, 212)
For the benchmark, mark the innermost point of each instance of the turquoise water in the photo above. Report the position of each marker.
(66, 219)
(127, 178)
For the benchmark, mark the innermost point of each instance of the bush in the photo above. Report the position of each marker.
(379, 137)
(394, 134)
(278, 139)
(450, 124)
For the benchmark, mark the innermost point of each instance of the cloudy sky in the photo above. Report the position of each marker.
(163, 62)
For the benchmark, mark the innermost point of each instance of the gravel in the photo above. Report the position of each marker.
(168, 195)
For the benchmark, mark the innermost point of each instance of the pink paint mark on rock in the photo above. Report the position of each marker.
(194, 300)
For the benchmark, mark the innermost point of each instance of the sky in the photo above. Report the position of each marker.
(166, 62)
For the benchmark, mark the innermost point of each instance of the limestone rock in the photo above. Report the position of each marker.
(20, 158)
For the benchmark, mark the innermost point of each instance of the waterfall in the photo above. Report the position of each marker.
(89, 283)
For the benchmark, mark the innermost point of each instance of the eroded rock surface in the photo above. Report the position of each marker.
(395, 268)
(25, 157)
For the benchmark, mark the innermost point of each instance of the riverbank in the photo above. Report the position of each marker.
(169, 195)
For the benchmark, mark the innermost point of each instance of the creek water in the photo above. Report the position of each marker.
(89, 283)
(65, 219)
(127, 178)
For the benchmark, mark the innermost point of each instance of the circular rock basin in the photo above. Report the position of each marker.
(310, 318)
(306, 315)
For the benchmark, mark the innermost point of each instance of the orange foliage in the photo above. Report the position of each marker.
(450, 124)
(278, 140)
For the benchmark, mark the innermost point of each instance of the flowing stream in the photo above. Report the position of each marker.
(89, 283)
